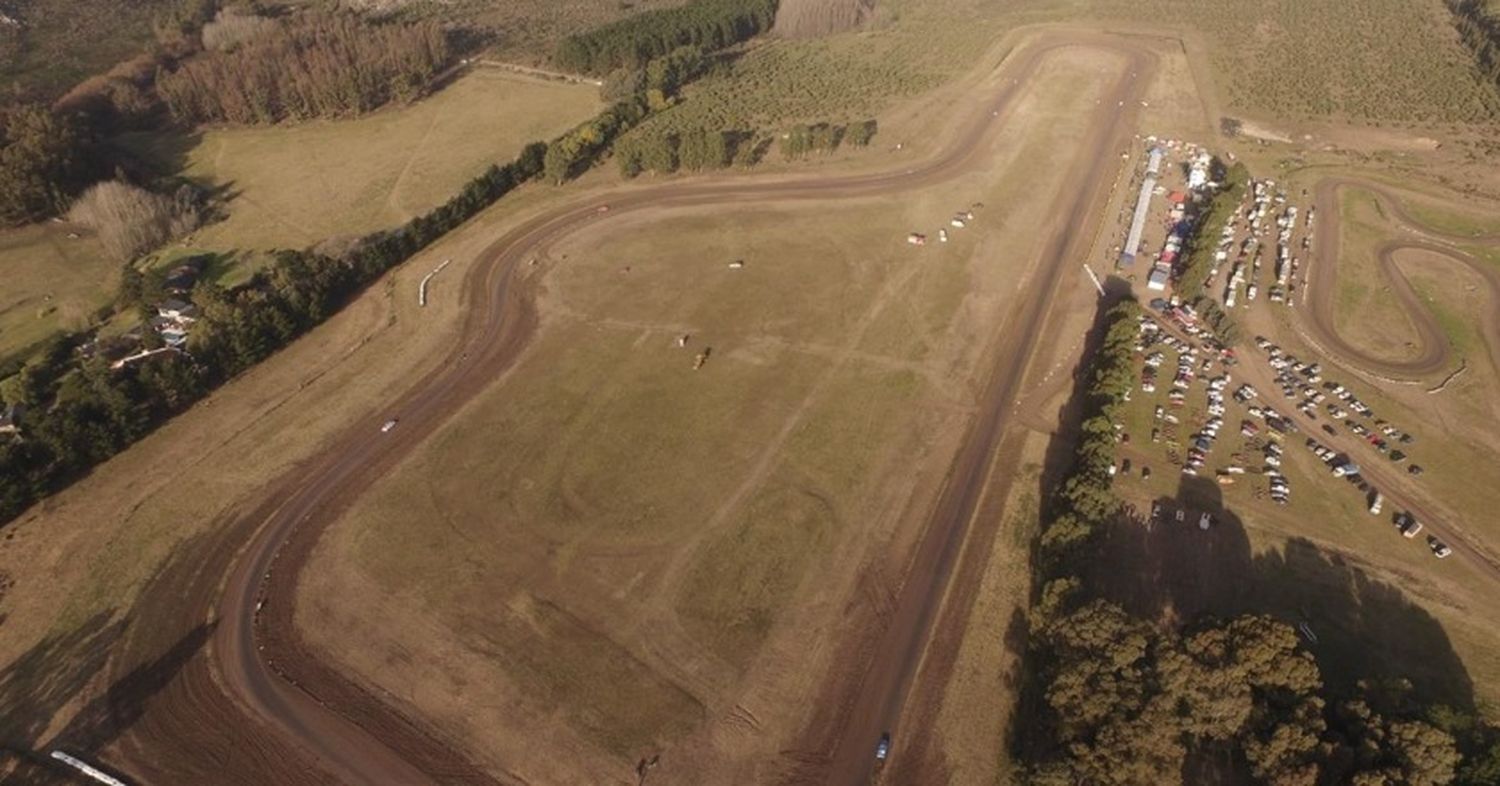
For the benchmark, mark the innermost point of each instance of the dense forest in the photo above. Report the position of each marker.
(633, 41)
(1112, 698)
(45, 159)
(1478, 24)
(310, 65)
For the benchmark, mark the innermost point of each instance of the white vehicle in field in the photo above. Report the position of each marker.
(1375, 504)
(389, 424)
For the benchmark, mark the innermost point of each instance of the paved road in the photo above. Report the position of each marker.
(1433, 354)
(256, 706)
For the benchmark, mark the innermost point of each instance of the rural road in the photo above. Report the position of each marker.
(255, 705)
(1433, 355)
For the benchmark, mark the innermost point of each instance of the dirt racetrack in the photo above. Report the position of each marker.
(254, 706)
(1433, 355)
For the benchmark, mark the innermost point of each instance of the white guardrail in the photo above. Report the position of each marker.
(422, 288)
(84, 767)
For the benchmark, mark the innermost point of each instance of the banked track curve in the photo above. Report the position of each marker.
(256, 705)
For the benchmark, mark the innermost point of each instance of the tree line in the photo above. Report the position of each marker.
(80, 412)
(578, 148)
(694, 150)
(633, 41)
(1199, 259)
(311, 65)
(825, 137)
(1110, 698)
(1201, 246)
(699, 149)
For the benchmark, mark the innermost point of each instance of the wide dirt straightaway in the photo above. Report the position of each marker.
(255, 705)
(878, 706)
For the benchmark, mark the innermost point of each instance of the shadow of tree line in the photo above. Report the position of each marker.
(39, 685)
(1358, 626)
(136, 658)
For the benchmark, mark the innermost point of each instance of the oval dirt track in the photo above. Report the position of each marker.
(1433, 355)
(256, 706)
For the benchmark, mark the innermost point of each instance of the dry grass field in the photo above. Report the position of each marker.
(1451, 218)
(293, 186)
(1382, 62)
(693, 530)
(612, 552)
(49, 282)
(1365, 309)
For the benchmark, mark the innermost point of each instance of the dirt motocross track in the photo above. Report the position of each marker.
(1433, 355)
(255, 706)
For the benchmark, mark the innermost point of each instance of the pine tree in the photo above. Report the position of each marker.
(862, 132)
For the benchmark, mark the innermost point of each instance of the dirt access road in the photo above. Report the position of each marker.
(1322, 285)
(256, 706)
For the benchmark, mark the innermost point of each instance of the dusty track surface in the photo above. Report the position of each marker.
(1433, 355)
(883, 695)
(256, 706)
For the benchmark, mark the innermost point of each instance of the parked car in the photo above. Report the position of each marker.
(389, 424)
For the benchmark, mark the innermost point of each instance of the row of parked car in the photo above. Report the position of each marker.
(1405, 522)
(1301, 380)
